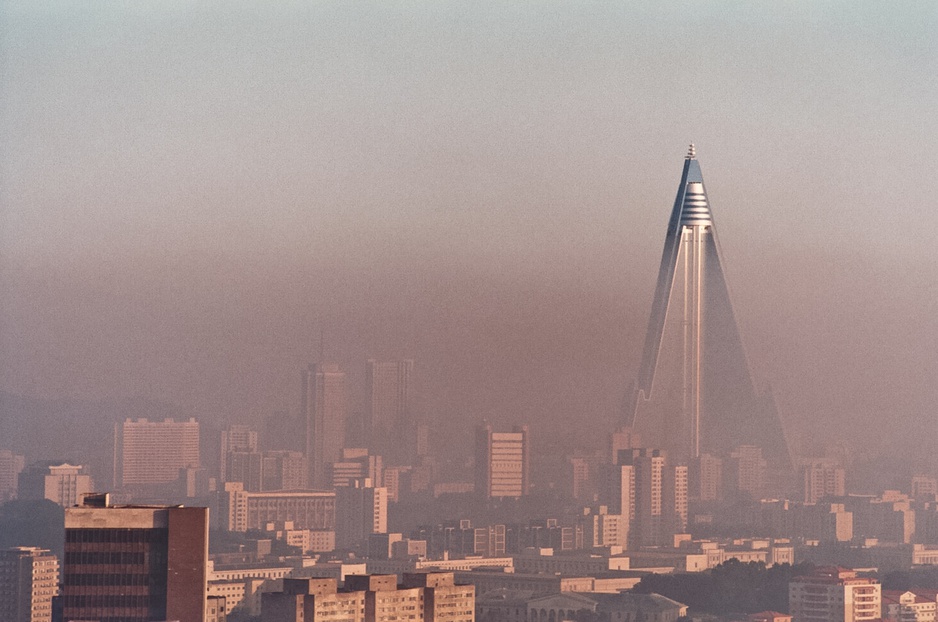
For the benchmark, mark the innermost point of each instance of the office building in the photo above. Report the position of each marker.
(64, 484)
(502, 462)
(388, 386)
(834, 594)
(241, 510)
(324, 410)
(10, 466)
(361, 510)
(29, 579)
(241, 438)
(154, 452)
(694, 393)
(390, 426)
(135, 563)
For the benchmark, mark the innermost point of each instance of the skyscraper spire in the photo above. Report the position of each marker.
(695, 394)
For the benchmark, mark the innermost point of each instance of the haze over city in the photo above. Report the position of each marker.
(197, 198)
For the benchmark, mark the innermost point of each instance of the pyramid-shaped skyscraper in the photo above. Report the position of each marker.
(694, 393)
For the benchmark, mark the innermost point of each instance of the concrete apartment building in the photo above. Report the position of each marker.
(655, 493)
(135, 563)
(29, 579)
(420, 597)
(834, 594)
(154, 452)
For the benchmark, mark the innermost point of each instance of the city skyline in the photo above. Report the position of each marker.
(474, 188)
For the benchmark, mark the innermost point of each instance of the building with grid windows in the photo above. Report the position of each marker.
(29, 579)
(834, 594)
(135, 563)
(502, 462)
(154, 452)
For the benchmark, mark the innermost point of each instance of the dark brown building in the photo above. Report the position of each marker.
(135, 563)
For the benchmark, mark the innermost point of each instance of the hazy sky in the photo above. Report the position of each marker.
(191, 191)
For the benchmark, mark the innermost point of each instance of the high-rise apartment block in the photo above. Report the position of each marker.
(135, 563)
(154, 452)
(312, 600)
(658, 493)
(502, 462)
(29, 579)
(323, 407)
(824, 477)
(444, 600)
(10, 466)
(833, 594)
(695, 394)
(64, 484)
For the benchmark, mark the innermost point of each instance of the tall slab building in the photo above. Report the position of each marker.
(389, 419)
(323, 407)
(695, 394)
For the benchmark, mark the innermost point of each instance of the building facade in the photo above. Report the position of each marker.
(135, 563)
(361, 510)
(154, 452)
(29, 580)
(389, 393)
(834, 594)
(324, 407)
(502, 462)
(241, 510)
